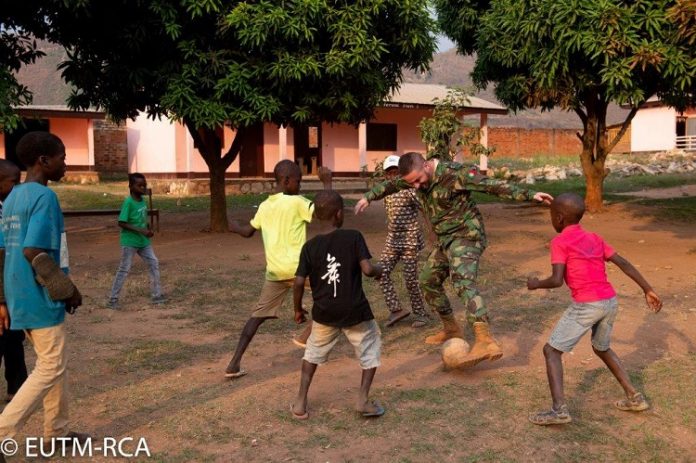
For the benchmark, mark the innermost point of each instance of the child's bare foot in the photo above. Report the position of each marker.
(371, 409)
(299, 412)
(234, 371)
(396, 316)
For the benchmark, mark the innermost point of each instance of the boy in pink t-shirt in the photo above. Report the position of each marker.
(578, 257)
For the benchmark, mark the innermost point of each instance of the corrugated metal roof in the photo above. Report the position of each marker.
(424, 94)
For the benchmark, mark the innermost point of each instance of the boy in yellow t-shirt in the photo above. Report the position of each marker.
(282, 219)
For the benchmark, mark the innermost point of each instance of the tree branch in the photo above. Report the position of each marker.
(231, 154)
(623, 129)
(581, 114)
(193, 130)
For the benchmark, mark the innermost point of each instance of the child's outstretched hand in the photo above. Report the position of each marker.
(532, 283)
(653, 300)
(300, 316)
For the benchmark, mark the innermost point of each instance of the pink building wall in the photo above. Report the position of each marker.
(339, 150)
(74, 133)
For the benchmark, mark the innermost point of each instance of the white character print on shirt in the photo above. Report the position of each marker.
(332, 276)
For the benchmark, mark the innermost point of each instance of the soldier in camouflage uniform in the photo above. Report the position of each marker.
(444, 190)
(404, 242)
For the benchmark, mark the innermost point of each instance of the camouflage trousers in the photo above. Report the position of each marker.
(388, 260)
(460, 261)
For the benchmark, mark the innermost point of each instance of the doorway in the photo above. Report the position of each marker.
(307, 142)
(251, 153)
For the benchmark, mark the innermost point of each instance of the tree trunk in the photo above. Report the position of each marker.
(594, 187)
(594, 153)
(218, 199)
(209, 144)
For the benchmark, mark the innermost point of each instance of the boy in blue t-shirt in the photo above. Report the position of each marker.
(135, 239)
(35, 254)
(11, 341)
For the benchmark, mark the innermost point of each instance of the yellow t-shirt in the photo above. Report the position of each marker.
(283, 221)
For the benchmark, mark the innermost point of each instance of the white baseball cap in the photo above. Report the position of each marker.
(391, 161)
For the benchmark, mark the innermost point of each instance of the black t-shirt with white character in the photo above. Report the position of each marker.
(332, 262)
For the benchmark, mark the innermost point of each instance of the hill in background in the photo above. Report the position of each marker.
(451, 69)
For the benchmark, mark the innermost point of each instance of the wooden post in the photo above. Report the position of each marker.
(483, 137)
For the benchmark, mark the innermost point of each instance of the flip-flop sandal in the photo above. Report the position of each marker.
(636, 403)
(298, 417)
(236, 375)
(551, 417)
(397, 319)
(374, 414)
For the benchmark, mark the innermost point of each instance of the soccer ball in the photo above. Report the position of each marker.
(453, 352)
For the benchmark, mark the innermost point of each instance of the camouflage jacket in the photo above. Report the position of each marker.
(447, 201)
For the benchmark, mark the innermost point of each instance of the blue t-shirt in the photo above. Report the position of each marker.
(31, 218)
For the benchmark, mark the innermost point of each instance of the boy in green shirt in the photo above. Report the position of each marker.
(135, 239)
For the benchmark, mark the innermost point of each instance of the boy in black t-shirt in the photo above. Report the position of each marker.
(335, 261)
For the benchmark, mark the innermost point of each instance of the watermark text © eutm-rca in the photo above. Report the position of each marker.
(35, 447)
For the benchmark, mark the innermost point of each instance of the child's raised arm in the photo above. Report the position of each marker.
(245, 230)
(554, 281)
(369, 269)
(652, 299)
(297, 293)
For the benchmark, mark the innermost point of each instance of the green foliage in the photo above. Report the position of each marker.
(580, 55)
(214, 62)
(17, 48)
(445, 134)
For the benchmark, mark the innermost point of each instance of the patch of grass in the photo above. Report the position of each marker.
(108, 195)
(674, 209)
(612, 185)
(156, 355)
(185, 456)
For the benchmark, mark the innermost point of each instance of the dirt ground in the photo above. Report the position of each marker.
(156, 372)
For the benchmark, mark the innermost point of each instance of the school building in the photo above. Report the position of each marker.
(657, 127)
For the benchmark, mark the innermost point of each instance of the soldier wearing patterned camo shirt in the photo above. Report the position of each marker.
(444, 191)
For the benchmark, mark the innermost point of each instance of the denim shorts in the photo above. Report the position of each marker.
(365, 338)
(581, 317)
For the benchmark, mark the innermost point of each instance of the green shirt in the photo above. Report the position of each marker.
(447, 202)
(134, 213)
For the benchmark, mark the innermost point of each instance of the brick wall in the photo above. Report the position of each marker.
(512, 141)
(110, 147)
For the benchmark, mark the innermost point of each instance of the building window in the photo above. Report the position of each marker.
(381, 137)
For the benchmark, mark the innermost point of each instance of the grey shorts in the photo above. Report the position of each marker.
(581, 317)
(365, 338)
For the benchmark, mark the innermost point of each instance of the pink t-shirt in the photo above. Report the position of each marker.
(583, 254)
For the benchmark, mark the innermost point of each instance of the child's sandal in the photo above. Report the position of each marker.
(560, 416)
(635, 403)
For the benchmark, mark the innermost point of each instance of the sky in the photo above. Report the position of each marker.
(443, 43)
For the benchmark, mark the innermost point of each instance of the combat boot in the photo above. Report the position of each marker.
(451, 329)
(484, 348)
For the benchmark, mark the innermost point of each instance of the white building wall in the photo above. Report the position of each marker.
(654, 129)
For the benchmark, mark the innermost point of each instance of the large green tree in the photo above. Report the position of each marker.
(580, 55)
(207, 63)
